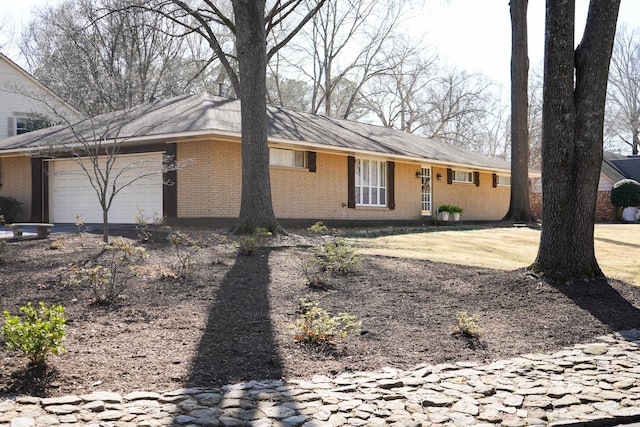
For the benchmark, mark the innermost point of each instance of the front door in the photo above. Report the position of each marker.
(426, 190)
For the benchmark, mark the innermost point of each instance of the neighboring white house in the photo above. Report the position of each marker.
(24, 101)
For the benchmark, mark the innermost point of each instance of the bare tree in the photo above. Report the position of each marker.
(519, 207)
(623, 97)
(101, 61)
(575, 89)
(348, 42)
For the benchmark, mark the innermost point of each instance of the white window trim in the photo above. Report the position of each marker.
(469, 172)
(360, 189)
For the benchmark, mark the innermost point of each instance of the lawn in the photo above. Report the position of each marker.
(617, 247)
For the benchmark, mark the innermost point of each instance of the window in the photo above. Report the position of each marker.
(288, 158)
(371, 182)
(504, 180)
(28, 124)
(463, 176)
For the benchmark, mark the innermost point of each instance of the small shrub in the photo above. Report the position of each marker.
(109, 279)
(337, 256)
(319, 228)
(41, 332)
(316, 277)
(625, 193)
(10, 208)
(56, 244)
(248, 244)
(185, 249)
(316, 326)
(467, 325)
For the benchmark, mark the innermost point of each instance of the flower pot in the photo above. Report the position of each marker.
(456, 216)
(444, 216)
(629, 214)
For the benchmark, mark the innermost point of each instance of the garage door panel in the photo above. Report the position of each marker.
(71, 192)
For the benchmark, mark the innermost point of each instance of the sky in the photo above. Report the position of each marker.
(473, 35)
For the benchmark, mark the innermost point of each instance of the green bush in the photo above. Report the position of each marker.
(467, 325)
(10, 208)
(248, 244)
(626, 193)
(109, 279)
(336, 256)
(316, 326)
(319, 228)
(41, 332)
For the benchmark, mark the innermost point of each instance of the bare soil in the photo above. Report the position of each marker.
(228, 320)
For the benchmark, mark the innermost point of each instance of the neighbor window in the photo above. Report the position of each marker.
(371, 182)
(504, 180)
(289, 158)
(463, 176)
(28, 124)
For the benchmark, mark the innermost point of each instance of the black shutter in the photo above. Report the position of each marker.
(449, 176)
(11, 126)
(170, 179)
(476, 178)
(351, 182)
(311, 161)
(495, 180)
(37, 190)
(391, 168)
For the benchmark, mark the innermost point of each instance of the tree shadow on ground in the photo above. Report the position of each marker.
(604, 302)
(238, 342)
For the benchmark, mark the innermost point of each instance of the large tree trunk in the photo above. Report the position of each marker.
(256, 209)
(573, 120)
(519, 207)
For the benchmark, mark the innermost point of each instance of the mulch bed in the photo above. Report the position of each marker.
(229, 320)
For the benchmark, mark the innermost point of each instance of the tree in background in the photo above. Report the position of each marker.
(102, 62)
(623, 97)
(575, 88)
(519, 208)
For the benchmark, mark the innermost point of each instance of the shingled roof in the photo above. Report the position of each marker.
(204, 114)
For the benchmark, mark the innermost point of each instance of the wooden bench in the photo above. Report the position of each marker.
(43, 229)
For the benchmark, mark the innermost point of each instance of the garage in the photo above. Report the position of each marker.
(71, 193)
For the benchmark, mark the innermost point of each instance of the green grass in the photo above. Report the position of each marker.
(617, 248)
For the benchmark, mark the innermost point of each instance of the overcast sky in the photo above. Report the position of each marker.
(474, 35)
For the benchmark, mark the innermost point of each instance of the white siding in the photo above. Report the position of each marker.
(16, 93)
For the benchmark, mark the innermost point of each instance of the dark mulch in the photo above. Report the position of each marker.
(230, 320)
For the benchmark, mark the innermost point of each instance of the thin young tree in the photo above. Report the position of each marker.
(575, 88)
(519, 207)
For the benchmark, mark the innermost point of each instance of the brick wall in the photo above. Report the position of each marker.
(211, 187)
(605, 211)
(483, 202)
(15, 176)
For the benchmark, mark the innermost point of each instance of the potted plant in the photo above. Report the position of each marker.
(443, 212)
(455, 212)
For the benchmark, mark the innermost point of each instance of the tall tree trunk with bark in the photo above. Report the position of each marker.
(519, 207)
(256, 208)
(572, 137)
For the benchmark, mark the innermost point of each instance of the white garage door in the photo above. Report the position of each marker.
(71, 193)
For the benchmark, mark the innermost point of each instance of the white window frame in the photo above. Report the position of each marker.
(502, 184)
(286, 157)
(371, 182)
(467, 179)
